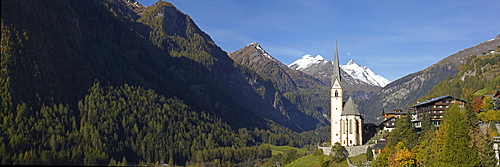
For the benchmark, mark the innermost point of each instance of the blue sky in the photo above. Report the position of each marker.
(391, 37)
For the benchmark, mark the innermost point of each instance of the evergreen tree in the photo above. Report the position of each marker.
(403, 132)
(457, 149)
(338, 153)
(369, 154)
(426, 124)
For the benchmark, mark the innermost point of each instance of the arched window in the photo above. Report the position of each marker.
(336, 93)
(350, 126)
(341, 124)
(357, 127)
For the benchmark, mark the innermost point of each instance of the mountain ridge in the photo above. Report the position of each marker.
(290, 84)
(355, 70)
(406, 90)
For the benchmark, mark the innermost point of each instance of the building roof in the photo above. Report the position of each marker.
(380, 144)
(404, 111)
(436, 99)
(336, 66)
(350, 108)
(387, 120)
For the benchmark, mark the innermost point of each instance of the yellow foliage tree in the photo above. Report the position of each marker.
(402, 157)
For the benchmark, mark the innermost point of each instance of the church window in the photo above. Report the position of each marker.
(336, 93)
(350, 126)
(357, 127)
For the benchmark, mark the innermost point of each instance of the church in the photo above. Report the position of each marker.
(345, 120)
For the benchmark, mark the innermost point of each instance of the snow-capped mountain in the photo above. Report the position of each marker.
(319, 67)
(363, 73)
(307, 61)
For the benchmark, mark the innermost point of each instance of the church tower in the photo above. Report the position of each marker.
(336, 100)
(345, 120)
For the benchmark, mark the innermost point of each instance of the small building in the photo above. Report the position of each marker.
(496, 99)
(397, 112)
(388, 124)
(378, 147)
(436, 108)
(390, 116)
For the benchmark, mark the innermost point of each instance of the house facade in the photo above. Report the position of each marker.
(436, 107)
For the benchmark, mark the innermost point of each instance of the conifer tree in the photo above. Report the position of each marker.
(457, 150)
(404, 132)
(426, 124)
(339, 153)
(369, 154)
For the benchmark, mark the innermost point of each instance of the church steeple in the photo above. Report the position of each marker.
(336, 67)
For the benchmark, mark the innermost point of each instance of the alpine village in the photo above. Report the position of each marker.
(113, 82)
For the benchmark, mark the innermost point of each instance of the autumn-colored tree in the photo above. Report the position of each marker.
(484, 144)
(429, 149)
(402, 157)
(487, 104)
(476, 103)
(382, 159)
(492, 130)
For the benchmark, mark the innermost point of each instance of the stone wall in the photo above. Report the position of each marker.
(326, 150)
(357, 150)
(352, 150)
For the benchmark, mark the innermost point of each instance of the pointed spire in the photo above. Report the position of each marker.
(336, 67)
(350, 108)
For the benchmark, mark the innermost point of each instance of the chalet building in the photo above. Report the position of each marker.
(388, 124)
(496, 99)
(390, 116)
(397, 112)
(436, 108)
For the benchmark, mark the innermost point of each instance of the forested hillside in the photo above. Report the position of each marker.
(479, 76)
(114, 82)
(408, 89)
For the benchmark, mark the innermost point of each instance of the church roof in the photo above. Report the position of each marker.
(350, 108)
(336, 66)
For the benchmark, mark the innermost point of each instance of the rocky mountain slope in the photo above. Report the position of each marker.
(302, 93)
(406, 90)
(92, 82)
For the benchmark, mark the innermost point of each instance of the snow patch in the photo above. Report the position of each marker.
(306, 61)
(363, 73)
(259, 49)
(355, 70)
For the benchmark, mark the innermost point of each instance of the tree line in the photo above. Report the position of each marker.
(137, 125)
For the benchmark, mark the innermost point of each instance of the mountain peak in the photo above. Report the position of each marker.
(351, 62)
(306, 61)
(319, 58)
(254, 44)
(352, 68)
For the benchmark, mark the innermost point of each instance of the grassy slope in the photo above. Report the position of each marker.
(311, 160)
(280, 149)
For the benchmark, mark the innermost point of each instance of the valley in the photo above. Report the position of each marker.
(113, 82)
